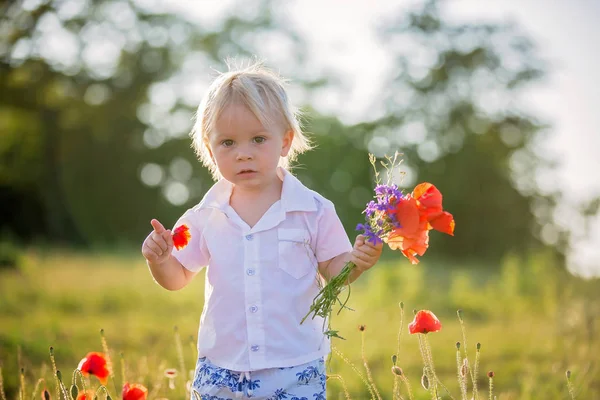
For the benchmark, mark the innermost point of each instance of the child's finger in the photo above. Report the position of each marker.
(369, 250)
(166, 235)
(150, 254)
(360, 240)
(164, 244)
(152, 245)
(158, 227)
(360, 255)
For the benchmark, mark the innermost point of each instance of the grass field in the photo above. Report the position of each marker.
(533, 321)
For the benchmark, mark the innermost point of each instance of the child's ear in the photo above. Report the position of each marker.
(288, 138)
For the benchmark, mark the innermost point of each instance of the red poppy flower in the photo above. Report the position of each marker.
(95, 364)
(425, 321)
(87, 395)
(412, 238)
(417, 214)
(429, 203)
(134, 391)
(181, 236)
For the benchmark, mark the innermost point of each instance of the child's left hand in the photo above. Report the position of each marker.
(365, 254)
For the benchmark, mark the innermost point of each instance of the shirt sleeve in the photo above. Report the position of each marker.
(331, 236)
(195, 255)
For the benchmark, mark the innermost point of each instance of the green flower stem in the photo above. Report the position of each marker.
(327, 297)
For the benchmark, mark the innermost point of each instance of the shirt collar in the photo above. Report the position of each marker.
(294, 195)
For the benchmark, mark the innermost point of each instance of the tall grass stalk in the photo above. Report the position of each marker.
(2, 394)
(461, 373)
(77, 374)
(396, 387)
(344, 388)
(351, 365)
(183, 374)
(61, 386)
(570, 386)
(102, 389)
(491, 379)
(159, 380)
(123, 375)
(473, 375)
(36, 388)
(22, 384)
(427, 379)
(55, 372)
(430, 355)
(109, 364)
(476, 371)
(365, 363)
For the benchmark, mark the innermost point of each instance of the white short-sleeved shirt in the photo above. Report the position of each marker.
(261, 280)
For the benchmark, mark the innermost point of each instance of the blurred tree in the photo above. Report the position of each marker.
(95, 95)
(450, 111)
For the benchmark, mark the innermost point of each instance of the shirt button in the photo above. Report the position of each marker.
(250, 272)
(254, 309)
(249, 237)
(254, 348)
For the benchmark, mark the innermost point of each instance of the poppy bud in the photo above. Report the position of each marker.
(425, 382)
(46, 395)
(74, 391)
(394, 359)
(402, 305)
(361, 328)
(397, 370)
(478, 346)
(490, 374)
(457, 345)
(568, 374)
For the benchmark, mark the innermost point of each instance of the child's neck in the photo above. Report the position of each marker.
(252, 204)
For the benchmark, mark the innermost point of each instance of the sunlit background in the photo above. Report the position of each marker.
(495, 102)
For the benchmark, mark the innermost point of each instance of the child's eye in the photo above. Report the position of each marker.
(259, 139)
(227, 142)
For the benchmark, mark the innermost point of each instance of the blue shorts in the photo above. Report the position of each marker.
(302, 382)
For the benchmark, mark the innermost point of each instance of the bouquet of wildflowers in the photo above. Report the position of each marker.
(403, 221)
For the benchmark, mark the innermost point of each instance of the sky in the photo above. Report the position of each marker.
(342, 39)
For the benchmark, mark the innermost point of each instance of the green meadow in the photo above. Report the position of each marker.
(533, 321)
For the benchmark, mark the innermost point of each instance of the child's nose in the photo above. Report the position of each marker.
(244, 154)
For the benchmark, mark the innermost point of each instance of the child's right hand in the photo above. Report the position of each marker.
(158, 245)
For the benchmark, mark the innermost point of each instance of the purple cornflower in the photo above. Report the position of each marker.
(373, 237)
(379, 221)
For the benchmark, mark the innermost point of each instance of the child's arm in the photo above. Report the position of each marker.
(164, 267)
(364, 255)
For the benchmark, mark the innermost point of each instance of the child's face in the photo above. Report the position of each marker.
(245, 152)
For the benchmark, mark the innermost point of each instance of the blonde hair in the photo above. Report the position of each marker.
(263, 92)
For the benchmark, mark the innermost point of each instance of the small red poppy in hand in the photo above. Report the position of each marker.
(425, 321)
(134, 391)
(181, 236)
(94, 363)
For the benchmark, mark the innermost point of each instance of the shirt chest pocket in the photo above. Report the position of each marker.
(295, 254)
